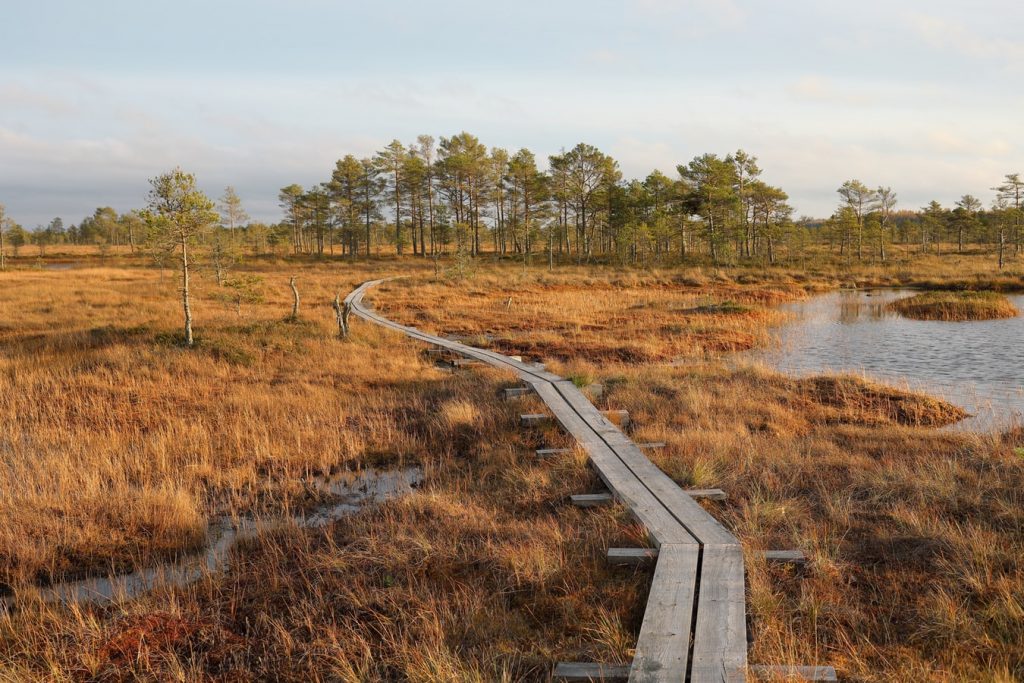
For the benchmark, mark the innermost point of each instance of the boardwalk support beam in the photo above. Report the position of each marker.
(591, 500)
(587, 672)
(794, 673)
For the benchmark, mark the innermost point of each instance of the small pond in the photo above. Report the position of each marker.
(978, 365)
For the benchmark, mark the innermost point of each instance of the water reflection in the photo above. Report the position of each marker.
(353, 491)
(974, 364)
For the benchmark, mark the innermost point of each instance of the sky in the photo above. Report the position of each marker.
(97, 97)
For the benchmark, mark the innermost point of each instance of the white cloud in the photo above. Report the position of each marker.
(819, 89)
(948, 35)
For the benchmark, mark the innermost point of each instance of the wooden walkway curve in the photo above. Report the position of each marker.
(694, 627)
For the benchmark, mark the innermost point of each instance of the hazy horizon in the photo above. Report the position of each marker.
(97, 98)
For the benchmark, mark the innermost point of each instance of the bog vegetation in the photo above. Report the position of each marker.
(127, 431)
(955, 306)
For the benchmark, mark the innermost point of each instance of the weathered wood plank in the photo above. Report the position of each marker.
(663, 646)
(720, 631)
(548, 452)
(785, 556)
(712, 494)
(794, 673)
(632, 557)
(591, 500)
(584, 672)
(533, 419)
(644, 506)
(513, 392)
(651, 444)
(686, 510)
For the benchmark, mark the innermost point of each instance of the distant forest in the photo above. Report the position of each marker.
(454, 196)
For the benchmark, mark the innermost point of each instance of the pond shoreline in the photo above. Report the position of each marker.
(854, 331)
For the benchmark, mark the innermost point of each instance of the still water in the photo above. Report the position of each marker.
(978, 365)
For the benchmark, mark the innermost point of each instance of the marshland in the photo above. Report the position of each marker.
(122, 446)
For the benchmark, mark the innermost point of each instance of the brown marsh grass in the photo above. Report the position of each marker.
(118, 445)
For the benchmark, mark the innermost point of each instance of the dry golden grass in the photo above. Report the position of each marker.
(118, 445)
(955, 306)
(616, 315)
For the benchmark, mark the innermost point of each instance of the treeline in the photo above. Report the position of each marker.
(455, 196)
(458, 195)
(106, 228)
(866, 223)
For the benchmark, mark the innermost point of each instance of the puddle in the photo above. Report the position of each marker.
(353, 490)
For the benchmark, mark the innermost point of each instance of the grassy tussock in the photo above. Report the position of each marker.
(955, 306)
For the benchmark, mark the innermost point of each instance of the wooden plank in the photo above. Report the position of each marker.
(632, 557)
(513, 392)
(681, 506)
(591, 500)
(533, 419)
(464, 362)
(651, 444)
(548, 452)
(579, 672)
(720, 631)
(794, 673)
(713, 494)
(644, 506)
(663, 647)
(785, 556)
(595, 389)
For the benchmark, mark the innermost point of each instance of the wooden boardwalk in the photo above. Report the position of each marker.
(694, 627)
